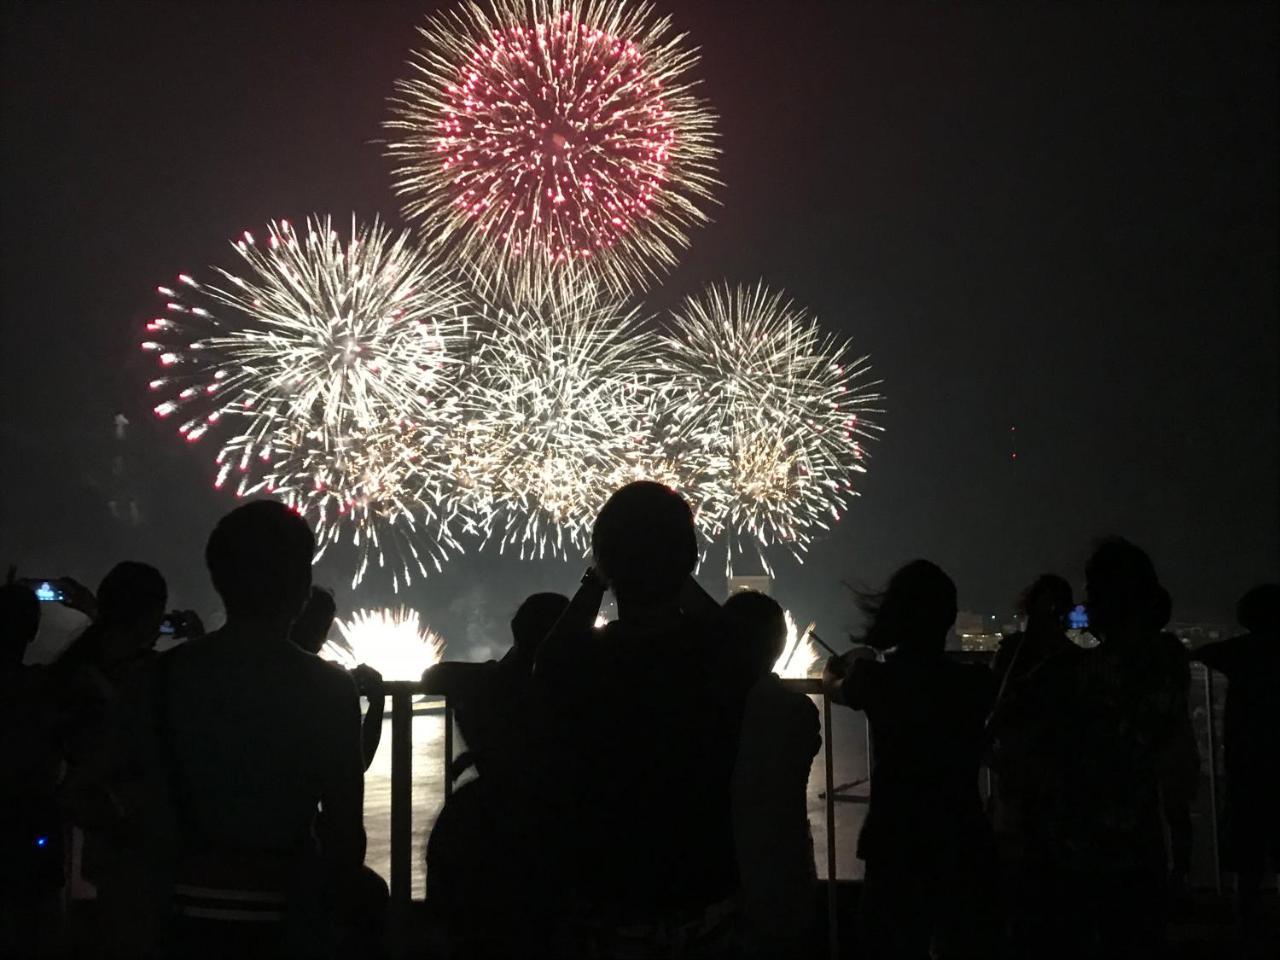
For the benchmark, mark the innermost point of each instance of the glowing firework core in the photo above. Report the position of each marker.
(393, 642)
(799, 655)
(546, 132)
(555, 132)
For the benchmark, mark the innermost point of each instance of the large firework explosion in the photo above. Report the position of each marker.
(328, 368)
(765, 415)
(559, 396)
(554, 136)
(393, 642)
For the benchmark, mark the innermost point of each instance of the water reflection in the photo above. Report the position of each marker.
(428, 795)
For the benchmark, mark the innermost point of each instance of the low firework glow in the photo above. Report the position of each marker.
(394, 642)
(558, 404)
(800, 655)
(554, 136)
(328, 368)
(765, 416)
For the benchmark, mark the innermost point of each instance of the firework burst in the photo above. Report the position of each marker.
(559, 399)
(393, 642)
(554, 137)
(328, 369)
(765, 415)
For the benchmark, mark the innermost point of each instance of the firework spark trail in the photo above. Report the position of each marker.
(547, 137)
(765, 416)
(558, 403)
(394, 642)
(335, 366)
(799, 654)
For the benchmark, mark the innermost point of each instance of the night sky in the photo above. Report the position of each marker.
(1051, 217)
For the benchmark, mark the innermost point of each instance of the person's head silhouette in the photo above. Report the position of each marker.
(311, 629)
(759, 629)
(1259, 610)
(259, 557)
(915, 611)
(132, 596)
(644, 544)
(1122, 592)
(1047, 602)
(19, 622)
(534, 620)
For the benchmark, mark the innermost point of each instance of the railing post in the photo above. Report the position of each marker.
(448, 750)
(833, 918)
(1213, 780)
(401, 793)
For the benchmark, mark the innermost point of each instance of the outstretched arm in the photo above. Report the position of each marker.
(369, 683)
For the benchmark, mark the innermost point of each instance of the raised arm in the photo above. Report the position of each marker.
(576, 621)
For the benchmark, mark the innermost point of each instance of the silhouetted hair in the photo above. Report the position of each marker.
(312, 626)
(128, 592)
(644, 542)
(19, 620)
(757, 623)
(535, 618)
(1056, 588)
(259, 556)
(1259, 610)
(914, 612)
(1121, 583)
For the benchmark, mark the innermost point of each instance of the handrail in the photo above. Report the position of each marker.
(402, 693)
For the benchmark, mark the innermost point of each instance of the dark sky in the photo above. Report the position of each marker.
(1058, 217)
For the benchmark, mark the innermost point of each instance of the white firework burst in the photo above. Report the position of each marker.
(559, 397)
(330, 369)
(765, 416)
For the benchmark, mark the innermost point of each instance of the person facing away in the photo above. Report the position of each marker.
(925, 840)
(1018, 716)
(646, 719)
(260, 734)
(781, 735)
(1251, 664)
(1119, 717)
(113, 789)
(309, 632)
(488, 862)
(31, 851)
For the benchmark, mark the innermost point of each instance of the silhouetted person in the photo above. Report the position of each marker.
(31, 849)
(1020, 718)
(259, 734)
(113, 789)
(647, 723)
(780, 736)
(488, 861)
(309, 631)
(1251, 664)
(925, 841)
(1120, 709)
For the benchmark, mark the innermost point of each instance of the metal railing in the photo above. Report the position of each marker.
(402, 693)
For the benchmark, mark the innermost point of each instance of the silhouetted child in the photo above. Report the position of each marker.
(113, 788)
(309, 632)
(488, 856)
(647, 719)
(1251, 664)
(926, 841)
(31, 849)
(259, 736)
(781, 734)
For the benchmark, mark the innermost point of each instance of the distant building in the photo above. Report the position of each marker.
(977, 632)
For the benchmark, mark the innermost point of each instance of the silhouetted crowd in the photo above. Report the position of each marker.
(632, 790)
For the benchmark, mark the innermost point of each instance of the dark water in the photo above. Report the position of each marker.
(428, 795)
